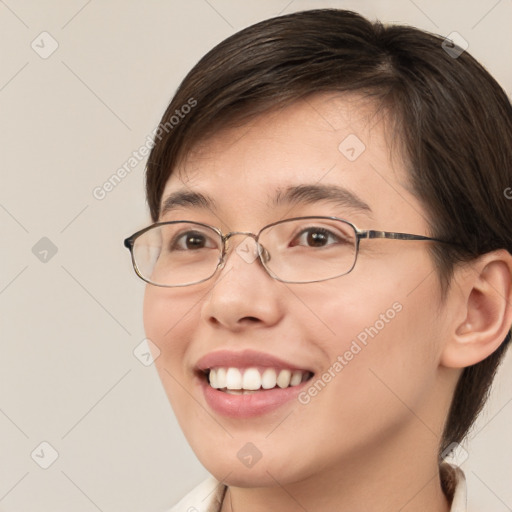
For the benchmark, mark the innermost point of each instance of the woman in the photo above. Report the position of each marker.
(329, 272)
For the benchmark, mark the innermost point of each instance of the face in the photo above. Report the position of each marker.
(364, 347)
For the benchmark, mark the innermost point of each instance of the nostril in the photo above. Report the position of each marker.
(214, 321)
(250, 319)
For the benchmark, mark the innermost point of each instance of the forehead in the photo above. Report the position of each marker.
(324, 140)
(331, 125)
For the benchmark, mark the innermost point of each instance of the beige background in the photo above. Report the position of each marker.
(70, 324)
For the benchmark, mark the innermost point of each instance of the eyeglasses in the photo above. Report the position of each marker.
(298, 250)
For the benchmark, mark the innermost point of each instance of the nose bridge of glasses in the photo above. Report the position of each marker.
(246, 250)
(229, 235)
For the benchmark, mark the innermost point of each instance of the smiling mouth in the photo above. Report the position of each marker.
(243, 381)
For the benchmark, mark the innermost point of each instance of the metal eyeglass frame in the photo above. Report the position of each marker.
(263, 255)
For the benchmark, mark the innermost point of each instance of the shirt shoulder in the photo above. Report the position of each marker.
(206, 497)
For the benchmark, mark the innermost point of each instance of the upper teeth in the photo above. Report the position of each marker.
(252, 379)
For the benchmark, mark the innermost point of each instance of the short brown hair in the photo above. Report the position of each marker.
(453, 118)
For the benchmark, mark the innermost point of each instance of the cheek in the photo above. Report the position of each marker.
(168, 322)
(388, 306)
(382, 352)
(165, 314)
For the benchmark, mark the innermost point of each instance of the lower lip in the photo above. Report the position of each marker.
(250, 405)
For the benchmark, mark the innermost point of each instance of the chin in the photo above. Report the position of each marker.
(235, 474)
(239, 463)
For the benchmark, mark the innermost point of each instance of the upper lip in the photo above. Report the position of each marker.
(244, 359)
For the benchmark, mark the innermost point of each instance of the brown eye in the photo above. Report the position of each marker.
(316, 237)
(192, 240)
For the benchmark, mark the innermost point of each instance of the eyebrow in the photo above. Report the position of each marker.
(293, 195)
(187, 199)
(310, 194)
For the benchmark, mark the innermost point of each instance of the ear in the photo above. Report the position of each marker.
(483, 315)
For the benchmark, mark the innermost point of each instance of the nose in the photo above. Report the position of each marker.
(243, 294)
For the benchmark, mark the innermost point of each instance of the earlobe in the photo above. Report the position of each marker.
(487, 311)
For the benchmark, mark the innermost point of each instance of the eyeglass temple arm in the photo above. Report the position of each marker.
(396, 236)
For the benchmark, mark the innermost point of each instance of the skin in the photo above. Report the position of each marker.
(369, 439)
